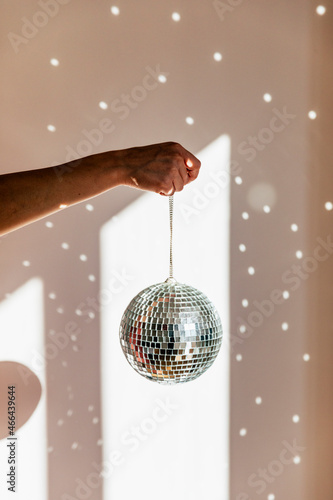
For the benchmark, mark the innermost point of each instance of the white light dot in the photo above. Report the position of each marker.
(78, 312)
(73, 338)
(258, 400)
(49, 224)
(245, 215)
(189, 120)
(115, 10)
(103, 105)
(238, 180)
(75, 348)
(91, 314)
(69, 413)
(306, 357)
(242, 247)
(266, 209)
(50, 449)
(54, 61)
(299, 254)
(65, 246)
(218, 56)
(95, 420)
(294, 227)
(321, 10)
(89, 207)
(297, 460)
(64, 363)
(329, 205)
(74, 446)
(83, 257)
(52, 296)
(91, 277)
(60, 310)
(26, 263)
(284, 326)
(239, 357)
(285, 294)
(271, 497)
(62, 205)
(175, 16)
(267, 97)
(242, 328)
(51, 128)
(296, 419)
(90, 408)
(245, 303)
(162, 78)
(60, 422)
(100, 442)
(251, 270)
(312, 115)
(243, 432)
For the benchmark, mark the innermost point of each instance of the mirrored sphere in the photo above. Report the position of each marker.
(170, 333)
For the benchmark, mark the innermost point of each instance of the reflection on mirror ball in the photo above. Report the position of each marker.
(170, 333)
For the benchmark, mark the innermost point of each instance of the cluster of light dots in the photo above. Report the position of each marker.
(321, 10)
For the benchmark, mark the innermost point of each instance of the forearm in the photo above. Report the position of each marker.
(28, 196)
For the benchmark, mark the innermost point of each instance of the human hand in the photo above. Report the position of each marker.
(162, 168)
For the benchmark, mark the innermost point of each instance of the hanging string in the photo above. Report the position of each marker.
(171, 227)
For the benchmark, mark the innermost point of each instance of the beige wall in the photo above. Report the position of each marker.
(283, 48)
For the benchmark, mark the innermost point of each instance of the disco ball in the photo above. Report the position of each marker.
(170, 332)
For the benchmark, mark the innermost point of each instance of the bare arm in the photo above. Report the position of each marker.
(29, 196)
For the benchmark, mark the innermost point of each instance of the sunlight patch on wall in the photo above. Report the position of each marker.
(172, 440)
